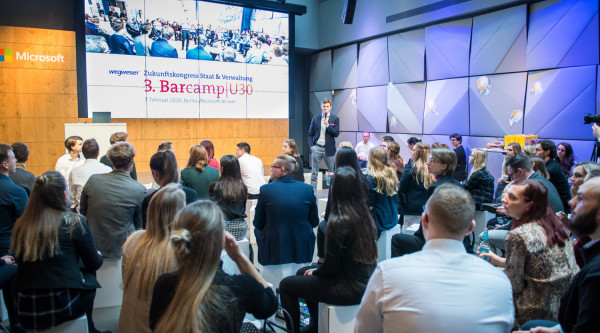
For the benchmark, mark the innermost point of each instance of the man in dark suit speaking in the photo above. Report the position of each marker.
(324, 128)
(286, 214)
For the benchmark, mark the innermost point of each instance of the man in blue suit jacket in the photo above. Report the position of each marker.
(285, 216)
(324, 128)
(161, 47)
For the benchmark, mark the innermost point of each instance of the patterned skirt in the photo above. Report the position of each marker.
(237, 228)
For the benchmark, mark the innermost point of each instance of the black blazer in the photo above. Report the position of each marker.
(412, 195)
(73, 268)
(332, 132)
(460, 173)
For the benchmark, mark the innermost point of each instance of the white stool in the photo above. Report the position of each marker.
(275, 273)
(111, 280)
(250, 210)
(481, 218)
(384, 243)
(411, 224)
(229, 266)
(321, 205)
(337, 319)
(79, 325)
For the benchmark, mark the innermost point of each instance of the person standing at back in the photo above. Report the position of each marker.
(324, 128)
(253, 171)
(460, 173)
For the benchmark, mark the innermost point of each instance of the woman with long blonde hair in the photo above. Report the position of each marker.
(383, 190)
(414, 182)
(481, 182)
(199, 296)
(395, 159)
(147, 254)
(198, 175)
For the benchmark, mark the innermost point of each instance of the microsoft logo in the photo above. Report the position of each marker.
(6, 55)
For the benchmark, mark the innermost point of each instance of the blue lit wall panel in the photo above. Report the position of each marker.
(447, 49)
(346, 136)
(406, 53)
(499, 41)
(496, 104)
(405, 103)
(562, 34)
(320, 71)
(446, 107)
(345, 68)
(344, 106)
(556, 101)
(373, 63)
(372, 115)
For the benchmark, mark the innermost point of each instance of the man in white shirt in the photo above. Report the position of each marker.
(441, 288)
(362, 149)
(253, 171)
(70, 160)
(80, 175)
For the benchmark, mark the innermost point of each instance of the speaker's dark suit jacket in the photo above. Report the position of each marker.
(285, 216)
(331, 132)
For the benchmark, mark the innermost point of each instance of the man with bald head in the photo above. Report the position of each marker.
(441, 288)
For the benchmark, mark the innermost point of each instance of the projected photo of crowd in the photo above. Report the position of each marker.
(186, 29)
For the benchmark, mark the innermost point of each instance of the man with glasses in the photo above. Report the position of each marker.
(286, 214)
(460, 173)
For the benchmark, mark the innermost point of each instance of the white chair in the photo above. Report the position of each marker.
(411, 224)
(275, 273)
(337, 319)
(111, 280)
(229, 266)
(79, 325)
(384, 243)
(321, 205)
(250, 210)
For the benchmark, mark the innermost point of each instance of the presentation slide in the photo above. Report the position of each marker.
(186, 59)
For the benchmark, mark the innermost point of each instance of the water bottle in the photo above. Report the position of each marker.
(484, 246)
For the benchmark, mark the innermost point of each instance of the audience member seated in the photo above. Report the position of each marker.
(564, 156)
(579, 305)
(285, 216)
(396, 161)
(253, 172)
(112, 202)
(362, 149)
(114, 138)
(414, 183)
(345, 157)
(70, 160)
(80, 175)
(230, 193)
(539, 255)
(199, 296)
(460, 173)
(22, 177)
(161, 47)
(411, 142)
(383, 195)
(147, 254)
(513, 148)
(199, 52)
(441, 288)
(57, 259)
(165, 145)
(163, 166)
(143, 43)
(198, 175)
(529, 150)
(538, 165)
(546, 150)
(120, 42)
(350, 257)
(210, 150)
(441, 165)
(289, 147)
(481, 182)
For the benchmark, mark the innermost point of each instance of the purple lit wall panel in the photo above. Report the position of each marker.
(344, 106)
(447, 49)
(320, 71)
(556, 101)
(373, 63)
(497, 110)
(446, 107)
(346, 136)
(372, 110)
(499, 41)
(345, 68)
(406, 53)
(405, 103)
(562, 34)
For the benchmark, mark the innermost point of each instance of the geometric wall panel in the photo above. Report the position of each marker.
(405, 104)
(346, 136)
(407, 56)
(344, 106)
(315, 102)
(320, 71)
(497, 110)
(447, 49)
(345, 71)
(556, 101)
(446, 107)
(373, 63)
(372, 115)
(562, 34)
(499, 42)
